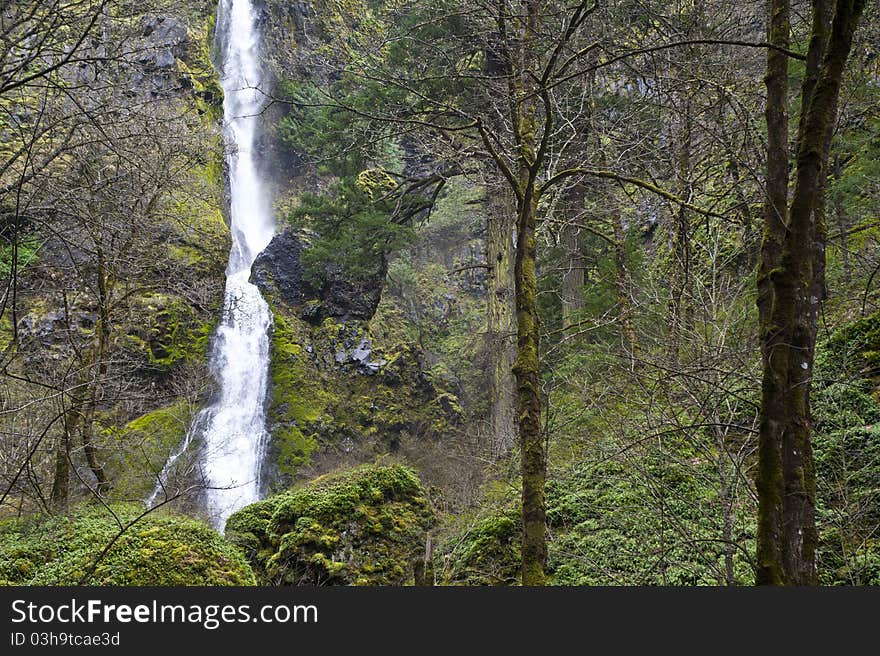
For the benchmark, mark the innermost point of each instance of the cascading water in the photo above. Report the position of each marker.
(233, 428)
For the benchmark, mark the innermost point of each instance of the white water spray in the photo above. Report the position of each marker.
(233, 428)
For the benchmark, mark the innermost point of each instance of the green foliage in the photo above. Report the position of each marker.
(847, 453)
(608, 525)
(160, 549)
(613, 526)
(485, 553)
(354, 224)
(27, 254)
(314, 129)
(362, 526)
(853, 348)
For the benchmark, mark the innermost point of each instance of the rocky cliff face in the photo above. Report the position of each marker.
(343, 387)
(346, 384)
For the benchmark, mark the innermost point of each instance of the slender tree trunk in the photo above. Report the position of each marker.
(501, 320)
(621, 286)
(87, 434)
(842, 225)
(726, 497)
(681, 236)
(790, 287)
(572, 245)
(96, 370)
(527, 367)
(61, 479)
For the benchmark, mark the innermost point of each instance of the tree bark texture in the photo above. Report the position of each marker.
(501, 320)
(790, 287)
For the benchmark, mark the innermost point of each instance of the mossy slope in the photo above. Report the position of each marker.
(160, 549)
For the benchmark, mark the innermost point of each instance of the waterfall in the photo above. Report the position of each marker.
(233, 428)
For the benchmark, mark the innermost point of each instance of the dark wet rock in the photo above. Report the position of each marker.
(51, 328)
(280, 274)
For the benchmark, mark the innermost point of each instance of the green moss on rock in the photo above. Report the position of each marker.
(298, 395)
(361, 526)
(486, 553)
(137, 451)
(159, 549)
(322, 398)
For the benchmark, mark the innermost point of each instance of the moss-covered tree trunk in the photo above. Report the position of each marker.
(790, 287)
(527, 367)
(534, 548)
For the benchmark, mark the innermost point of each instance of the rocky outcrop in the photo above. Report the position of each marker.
(362, 526)
(280, 273)
(340, 392)
(164, 38)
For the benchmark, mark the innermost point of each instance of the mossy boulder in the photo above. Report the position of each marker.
(159, 549)
(360, 526)
(485, 552)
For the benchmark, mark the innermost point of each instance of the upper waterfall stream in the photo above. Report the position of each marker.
(232, 429)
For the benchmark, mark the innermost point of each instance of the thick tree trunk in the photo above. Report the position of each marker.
(790, 287)
(501, 306)
(501, 320)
